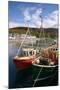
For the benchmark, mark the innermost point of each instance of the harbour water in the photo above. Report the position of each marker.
(28, 77)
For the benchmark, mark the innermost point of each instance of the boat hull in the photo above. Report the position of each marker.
(44, 71)
(23, 64)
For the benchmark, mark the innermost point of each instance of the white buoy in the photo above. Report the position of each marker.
(37, 61)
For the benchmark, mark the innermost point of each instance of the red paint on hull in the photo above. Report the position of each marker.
(22, 64)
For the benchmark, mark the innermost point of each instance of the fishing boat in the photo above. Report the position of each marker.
(45, 65)
(25, 59)
(40, 57)
(48, 54)
(48, 58)
(25, 54)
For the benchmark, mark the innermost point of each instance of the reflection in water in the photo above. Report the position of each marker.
(24, 78)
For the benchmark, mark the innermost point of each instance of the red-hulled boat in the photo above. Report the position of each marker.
(25, 60)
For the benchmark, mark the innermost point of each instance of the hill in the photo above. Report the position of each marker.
(53, 32)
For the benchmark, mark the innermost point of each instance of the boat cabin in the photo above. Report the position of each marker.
(26, 52)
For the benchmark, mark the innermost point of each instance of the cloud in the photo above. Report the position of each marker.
(32, 18)
(37, 14)
(15, 24)
(36, 17)
(26, 14)
(51, 20)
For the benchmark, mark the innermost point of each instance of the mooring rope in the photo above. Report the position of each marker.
(44, 78)
(37, 77)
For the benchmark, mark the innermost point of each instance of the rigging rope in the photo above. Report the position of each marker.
(22, 43)
(41, 33)
(37, 77)
(31, 38)
(28, 31)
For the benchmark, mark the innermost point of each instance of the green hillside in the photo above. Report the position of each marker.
(51, 32)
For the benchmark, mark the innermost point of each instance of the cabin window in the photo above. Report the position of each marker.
(56, 49)
(25, 53)
(53, 49)
(30, 53)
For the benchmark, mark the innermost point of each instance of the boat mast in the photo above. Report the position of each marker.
(42, 34)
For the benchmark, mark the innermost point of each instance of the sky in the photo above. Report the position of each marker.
(22, 14)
